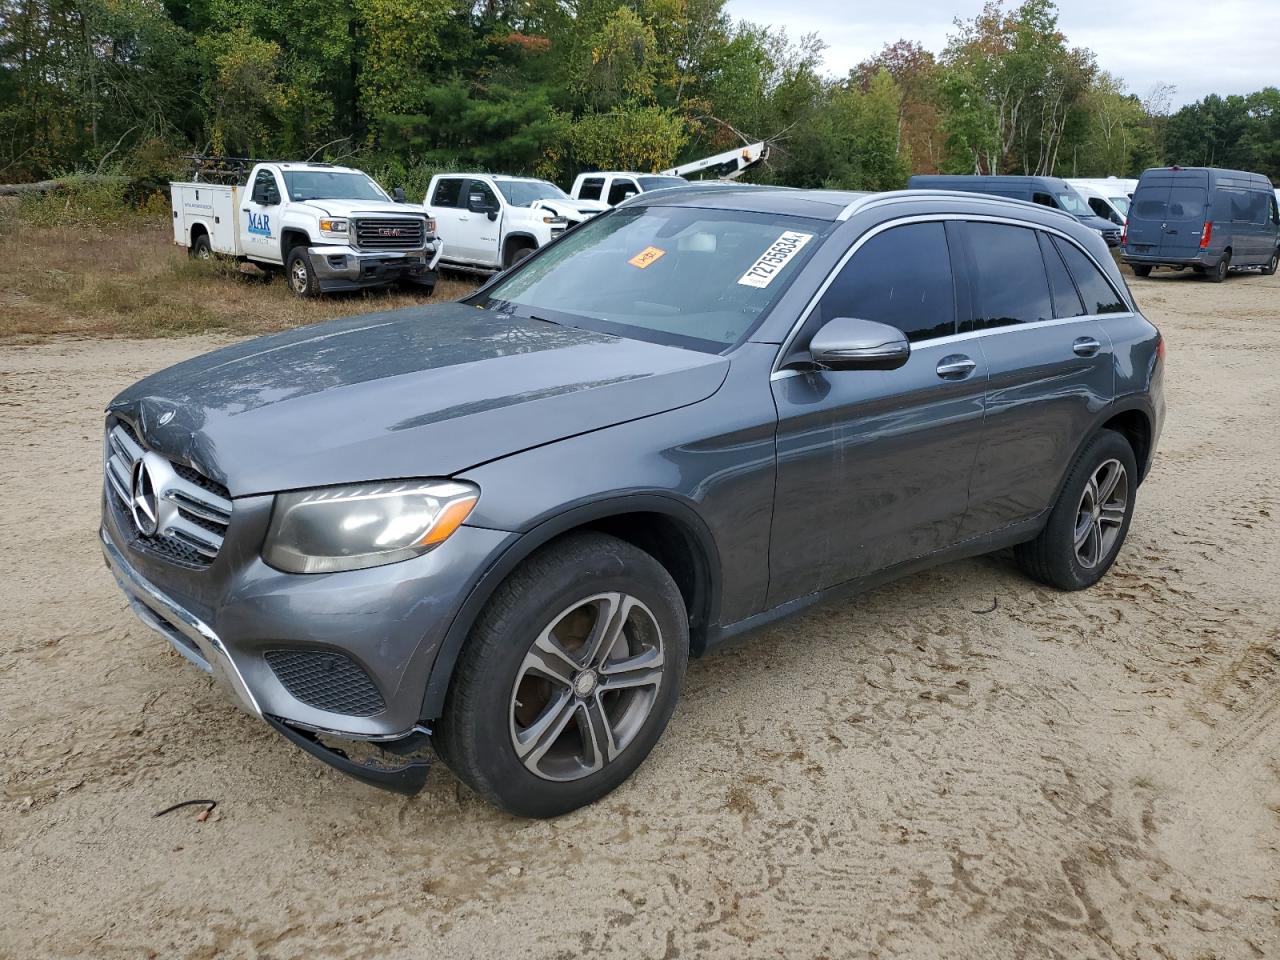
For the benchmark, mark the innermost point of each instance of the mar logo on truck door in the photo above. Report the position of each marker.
(260, 224)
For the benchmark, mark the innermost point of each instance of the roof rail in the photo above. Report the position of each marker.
(903, 196)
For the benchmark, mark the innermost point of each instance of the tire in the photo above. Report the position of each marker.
(301, 275)
(1272, 265)
(1058, 556)
(1220, 269)
(1142, 271)
(515, 255)
(201, 248)
(501, 695)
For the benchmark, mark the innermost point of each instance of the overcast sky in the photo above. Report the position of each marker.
(1200, 46)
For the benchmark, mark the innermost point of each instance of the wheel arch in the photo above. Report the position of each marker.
(291, 237)
(666, 528)
(516, 240)
(198, 229)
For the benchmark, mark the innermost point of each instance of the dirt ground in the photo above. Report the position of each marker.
(903, 775)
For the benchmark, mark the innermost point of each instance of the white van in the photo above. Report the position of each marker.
(1107, 197)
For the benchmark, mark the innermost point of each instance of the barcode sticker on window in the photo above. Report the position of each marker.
(761, 273)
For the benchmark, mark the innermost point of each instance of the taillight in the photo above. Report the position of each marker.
(1124, 233)
(1160, 347)
(1206, 235)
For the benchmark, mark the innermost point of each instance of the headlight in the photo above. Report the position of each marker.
(366, 525)
(555, 220)
(333, 227)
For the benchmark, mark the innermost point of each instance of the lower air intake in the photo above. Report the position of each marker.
(332, 682)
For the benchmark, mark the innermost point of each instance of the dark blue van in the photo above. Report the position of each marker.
(1046, 191)
(1212, 220)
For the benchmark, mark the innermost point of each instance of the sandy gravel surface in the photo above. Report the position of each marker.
(1073, 776)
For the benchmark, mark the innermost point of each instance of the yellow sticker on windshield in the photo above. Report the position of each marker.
(646, 256)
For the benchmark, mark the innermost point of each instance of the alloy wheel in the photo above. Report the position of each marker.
(586, 686)
(1100, 516)
(298, 276)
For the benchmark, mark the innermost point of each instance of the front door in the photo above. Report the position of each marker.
(260, 219)
(478, 235)
(874, 466)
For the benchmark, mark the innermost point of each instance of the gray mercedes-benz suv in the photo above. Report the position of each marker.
(500, 527)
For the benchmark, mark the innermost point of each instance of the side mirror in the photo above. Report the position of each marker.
(398, 194)
(847, 343)
(477, 203)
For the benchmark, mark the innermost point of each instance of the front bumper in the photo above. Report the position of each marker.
(229, 618)
(340, 267)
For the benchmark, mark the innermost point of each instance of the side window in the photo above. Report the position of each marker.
(265, 189)
(1098, 294)
(1259, 209)
(622, 188)
(1010, 284)
(448, 192)
(901, 277)
(1066, 300)
(591, 188)
(1043, 199)
(480, 189)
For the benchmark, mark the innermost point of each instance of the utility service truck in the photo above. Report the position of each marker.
(616, 186)
(329, 227)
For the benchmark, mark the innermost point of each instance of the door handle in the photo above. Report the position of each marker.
(955, 367)
(1086, 347)
(464, 218)
(244, 209)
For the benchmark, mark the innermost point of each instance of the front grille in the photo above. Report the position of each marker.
(191, 511)
(391, 233)
(1112, 236)
(328, 681)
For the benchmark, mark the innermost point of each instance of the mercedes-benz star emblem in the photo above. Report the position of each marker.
(166, 417)
(143, 503)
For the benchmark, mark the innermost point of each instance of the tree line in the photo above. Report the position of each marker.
(551, 87)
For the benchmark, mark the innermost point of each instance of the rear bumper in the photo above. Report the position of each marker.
(1205, 258)
(346, 268)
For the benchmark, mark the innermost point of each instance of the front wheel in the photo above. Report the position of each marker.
(1088, 524)
(302, 278)
(568, 678)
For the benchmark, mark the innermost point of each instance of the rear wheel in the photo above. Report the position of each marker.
(1142, 271)
(568, 678)
(1272, 265)
(1220, 269)
(1088, 524)
(201, 248)
(302, 278)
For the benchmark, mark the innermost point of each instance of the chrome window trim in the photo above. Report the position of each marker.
(955, 337)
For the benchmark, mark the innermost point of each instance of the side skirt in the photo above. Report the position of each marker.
(1009, 536)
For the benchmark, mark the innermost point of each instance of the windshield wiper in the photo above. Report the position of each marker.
(557, 323)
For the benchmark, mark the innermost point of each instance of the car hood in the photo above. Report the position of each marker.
(422, 392)
(352, 208)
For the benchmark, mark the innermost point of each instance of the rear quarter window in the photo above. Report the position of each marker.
(1095, 289)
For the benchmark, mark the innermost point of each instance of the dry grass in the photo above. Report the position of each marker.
(133, 281)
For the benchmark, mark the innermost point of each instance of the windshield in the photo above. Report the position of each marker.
(691, 277)
(661, 183)
(1121, 204)
(521, 193)
(1071, 202)
(327, 185)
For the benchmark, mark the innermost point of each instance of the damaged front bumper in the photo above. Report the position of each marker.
(341, 267)
(392, 767)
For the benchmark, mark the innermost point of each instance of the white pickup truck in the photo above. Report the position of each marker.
(330, 228)
(492, 221)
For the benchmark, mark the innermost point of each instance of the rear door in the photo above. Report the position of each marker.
(874, 465)
(1185, 216)
(1147, 216)
(1051, 366)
